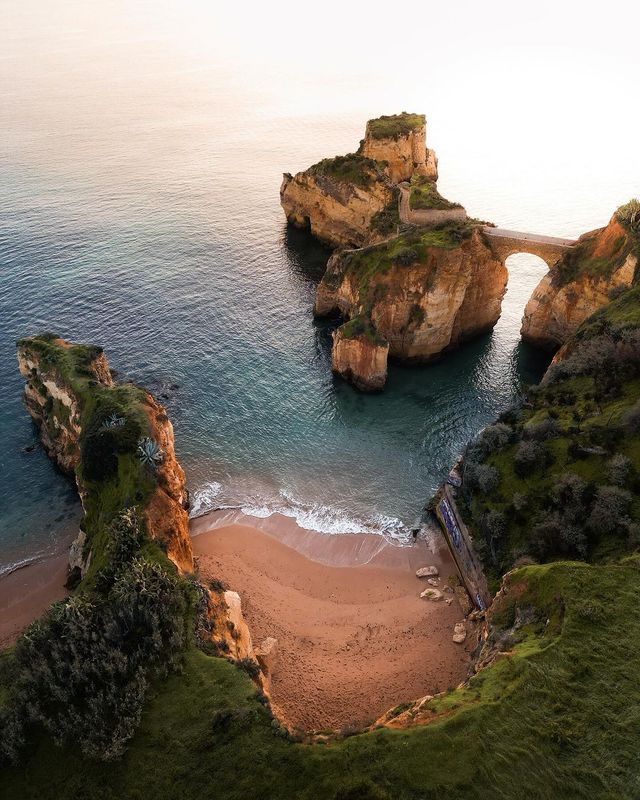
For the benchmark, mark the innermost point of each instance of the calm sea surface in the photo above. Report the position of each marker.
(140, 211)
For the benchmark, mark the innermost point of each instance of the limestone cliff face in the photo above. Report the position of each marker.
(404, 149)
(579, 284)
(338, 212)
(166, 514)
(53, 405)
(422, 296)
(352, 200)
(58, 377)
(360, 359)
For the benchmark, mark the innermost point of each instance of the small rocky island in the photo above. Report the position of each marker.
(413, 276)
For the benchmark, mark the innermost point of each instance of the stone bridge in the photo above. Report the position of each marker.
(505, 243)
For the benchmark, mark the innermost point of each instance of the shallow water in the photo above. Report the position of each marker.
(141, 213)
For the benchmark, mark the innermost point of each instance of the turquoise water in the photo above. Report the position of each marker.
(141, 213)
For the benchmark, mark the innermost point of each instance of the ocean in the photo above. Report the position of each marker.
(140, 212)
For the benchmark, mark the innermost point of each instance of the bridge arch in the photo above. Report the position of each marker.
(505, 243)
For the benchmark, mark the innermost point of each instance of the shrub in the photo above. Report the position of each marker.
(609, 514)
(568, 494)
(540, 431)
(553, 535)
(406, 257)
(496, 437)
(619, 469)
(483, 477)
(529, 456)
(82, 670)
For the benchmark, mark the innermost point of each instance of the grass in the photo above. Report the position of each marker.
(351, 169)
(361, 326)
(558, 718)
(425, 195)
(395, 125)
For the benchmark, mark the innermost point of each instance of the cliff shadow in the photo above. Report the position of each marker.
(305, 256)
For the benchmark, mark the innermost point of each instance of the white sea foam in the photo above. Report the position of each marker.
(204, 499)
(310, 516)
(12, 566)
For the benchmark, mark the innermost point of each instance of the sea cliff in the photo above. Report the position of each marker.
(414, 296)
(136, 606)
(602, 264)
(353, 200)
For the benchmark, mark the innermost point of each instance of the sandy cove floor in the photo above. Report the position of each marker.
(354, 637)
(26, 594)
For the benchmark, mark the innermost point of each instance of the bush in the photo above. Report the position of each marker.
(483, 477)
(609, 514)
(619, 469)
(553, 535)
(529, 456)
(406, 257)
(82, 670)
(568, 495)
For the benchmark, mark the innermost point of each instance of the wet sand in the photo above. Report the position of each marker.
(354, 637)
(27, 592)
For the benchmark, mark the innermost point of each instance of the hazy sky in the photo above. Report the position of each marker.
(509, 85)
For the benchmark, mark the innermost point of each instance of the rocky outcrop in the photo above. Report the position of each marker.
(51, 402)
(360, 358)
(339, 209)
(352, 200)
(585, 279)
(423, 294)
(61, 380)
(401, 141)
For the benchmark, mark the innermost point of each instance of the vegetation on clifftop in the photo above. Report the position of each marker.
(351, 169)
(362, 326)
(395, 125)
(597, 258)
(425, 195)
(560, 477)
(81, 672)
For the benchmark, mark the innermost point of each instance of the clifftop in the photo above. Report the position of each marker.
(352, 200)
(415, 296)
(601, 264)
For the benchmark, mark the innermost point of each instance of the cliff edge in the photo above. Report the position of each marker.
(602, 264)
(412, 298)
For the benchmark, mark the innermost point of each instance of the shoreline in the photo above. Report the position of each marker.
(27, 591)
(354, 638)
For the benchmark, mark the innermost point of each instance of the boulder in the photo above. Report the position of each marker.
(459, 632)
(427, 572)
(432, 594)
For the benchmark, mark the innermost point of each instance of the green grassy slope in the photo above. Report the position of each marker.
(558, 718)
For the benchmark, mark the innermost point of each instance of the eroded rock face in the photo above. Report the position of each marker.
(405, 153)
(53, 406)
(579, 284)
(337, 212)
(57, 409)
(449, 295)
(360, 360)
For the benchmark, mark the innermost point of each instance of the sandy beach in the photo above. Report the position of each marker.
(354, 637)
(27, 592)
